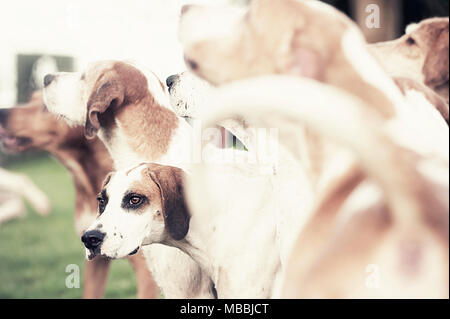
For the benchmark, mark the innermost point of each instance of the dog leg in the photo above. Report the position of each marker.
(11, 208)
(95, 277)
(23, 186)
(146, 285)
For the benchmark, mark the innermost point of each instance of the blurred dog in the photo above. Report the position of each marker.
(421, 54)
(31, 127)
(285, 37)
(130, 112)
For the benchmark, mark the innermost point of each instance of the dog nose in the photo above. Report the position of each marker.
(171, 80)
(92, 239)
(48, 79)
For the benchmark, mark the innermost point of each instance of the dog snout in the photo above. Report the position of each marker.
(92, 239)
(171, 80)
(48, 79)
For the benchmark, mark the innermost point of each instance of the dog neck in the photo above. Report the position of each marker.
(194, 247)
(146, 131)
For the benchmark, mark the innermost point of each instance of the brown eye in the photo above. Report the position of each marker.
(135, 200)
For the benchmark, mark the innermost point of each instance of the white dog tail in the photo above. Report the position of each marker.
(280, 101)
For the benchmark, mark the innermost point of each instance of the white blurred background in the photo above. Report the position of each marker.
(144, 31)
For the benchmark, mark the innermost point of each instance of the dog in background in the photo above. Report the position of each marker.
(420, 55)
(295, 38)
(418, 62)
(30, 127)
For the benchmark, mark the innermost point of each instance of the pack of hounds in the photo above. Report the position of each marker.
(359, 179)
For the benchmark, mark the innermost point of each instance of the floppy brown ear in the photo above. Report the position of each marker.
(176, 214)
(435, 68)
(108, 91)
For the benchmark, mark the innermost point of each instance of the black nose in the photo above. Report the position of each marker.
(48, 79)
(92, 239)
(171, 80)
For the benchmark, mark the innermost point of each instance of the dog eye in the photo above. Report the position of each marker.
(410, 41)
(101, 204)
(135, 200)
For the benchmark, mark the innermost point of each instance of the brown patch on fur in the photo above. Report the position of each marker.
(174, 207)
(150, 190)
(121, 93)
(438, 102)
(436, 66)
(148, 127)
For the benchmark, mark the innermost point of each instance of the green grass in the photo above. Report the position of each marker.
(35, 250)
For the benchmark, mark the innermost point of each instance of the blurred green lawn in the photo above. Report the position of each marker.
(35, 251)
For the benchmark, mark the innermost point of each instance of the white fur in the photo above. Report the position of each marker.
(220, 22)
(67, 96)
(411, 28)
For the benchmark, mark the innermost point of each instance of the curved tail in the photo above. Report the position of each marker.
(279, 101)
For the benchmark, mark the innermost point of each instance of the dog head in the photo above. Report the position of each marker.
(138, 207)
(421, 54)
(268, 37)
(93, 97)
(30, 127)
(300, 38)
(186, 92)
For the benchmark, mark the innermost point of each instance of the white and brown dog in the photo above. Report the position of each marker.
(420, 55)
(120, 107)
(131, 114)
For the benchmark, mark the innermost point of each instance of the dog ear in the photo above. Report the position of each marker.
(109, 91)
(435, 68)
(176, 214)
